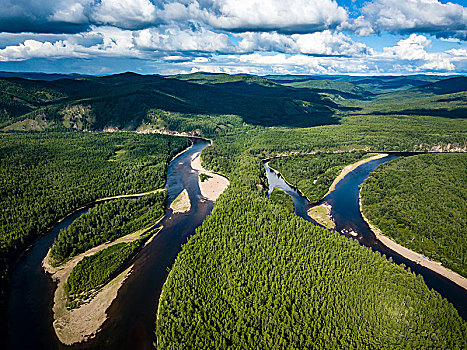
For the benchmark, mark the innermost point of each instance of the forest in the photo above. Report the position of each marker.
(420, 202)
(254, 275)
(257, 276)
(313, 174)
(95, 270)
(45, 176)
(281, 199)
(107, 222)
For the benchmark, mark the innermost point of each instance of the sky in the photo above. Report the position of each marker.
(328, 37)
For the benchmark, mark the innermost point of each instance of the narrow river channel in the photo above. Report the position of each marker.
(132, 315)
(346, 213)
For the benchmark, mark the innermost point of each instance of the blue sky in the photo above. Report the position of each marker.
(234, 36)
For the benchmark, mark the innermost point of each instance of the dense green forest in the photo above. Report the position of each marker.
(313, 174)
(128, 101)
(97, 269)
(44, 176)
(257, 276)
(124, 101)
(254, 275)
(107, 222)
(420, 202)
(281, 199)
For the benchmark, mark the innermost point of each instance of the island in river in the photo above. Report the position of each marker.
(82, 323)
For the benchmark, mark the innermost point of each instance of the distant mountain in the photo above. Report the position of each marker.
(447, 86)
(129, 100)
(373, 84)
(445, 98)
(221, 78)
(284, 79)
(124, 100)
(40, 76)
(385, 84)
(333, 88)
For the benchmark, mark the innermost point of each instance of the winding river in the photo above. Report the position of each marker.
(132, 315)
(346, 213)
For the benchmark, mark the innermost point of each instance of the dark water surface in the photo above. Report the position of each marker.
(132, 315)
(346, 213)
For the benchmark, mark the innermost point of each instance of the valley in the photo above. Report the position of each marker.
(252, 269)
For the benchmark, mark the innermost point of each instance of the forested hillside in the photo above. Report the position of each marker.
(420, 202)
(446, 98)
(122, 101)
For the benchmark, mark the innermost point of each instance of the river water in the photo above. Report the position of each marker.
(131, 320)
(346, 213)
(132, 315)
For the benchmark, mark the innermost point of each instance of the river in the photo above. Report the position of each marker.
(346, 213)
(132, 315)
(131, 320)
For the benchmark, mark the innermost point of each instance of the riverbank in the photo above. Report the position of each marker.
(212, 187)
(414, 256)
(348, 168)
(285, 180)
(80, 324)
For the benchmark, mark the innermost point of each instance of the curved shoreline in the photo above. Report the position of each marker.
(347, 169)
(351, 167)
(210, 189)
(283, 178)
(83, 323)
(413, 256)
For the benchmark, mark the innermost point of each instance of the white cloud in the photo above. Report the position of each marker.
(124, 13)
(258, 15)
(69, 12)
(173, 38)
(429, 16)
(37, 49)
(412, 48)
(324, 43)
(413, 51)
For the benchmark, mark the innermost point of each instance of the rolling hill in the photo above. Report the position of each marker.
(123, 101)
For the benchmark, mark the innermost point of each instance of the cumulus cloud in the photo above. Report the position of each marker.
(173, 38)
(303, 16)
(280, 36)
(235, 15)
(413, 52)
(124, 13)
(428, 16)
(325, 43)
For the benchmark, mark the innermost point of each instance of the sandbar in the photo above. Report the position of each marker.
(181, 204)
(212, 187)
(322, 215)
(347, 169)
